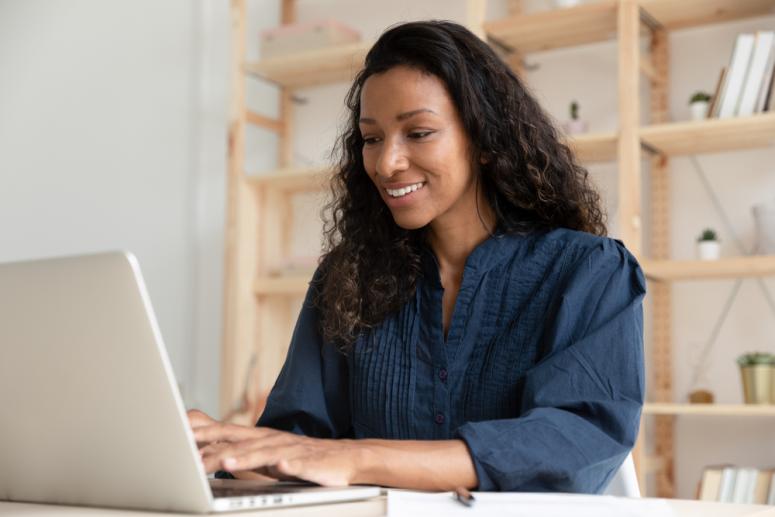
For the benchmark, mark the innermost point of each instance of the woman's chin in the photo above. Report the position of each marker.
(408, 222)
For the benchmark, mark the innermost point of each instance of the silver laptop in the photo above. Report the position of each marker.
(90, 413)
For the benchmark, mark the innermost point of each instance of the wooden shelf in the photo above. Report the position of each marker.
(682, 14)
(596, 21)
(556, 28)
(736, 267)
(712, 135)
(313, 68)
(282, 285)
(292, 180)
(594, 147)
(660, 408)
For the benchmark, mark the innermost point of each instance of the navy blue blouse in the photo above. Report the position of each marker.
(541, 373)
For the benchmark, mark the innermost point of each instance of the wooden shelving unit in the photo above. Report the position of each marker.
(313, 68)
(292, 180)
(736, 267)
(710, 136)
(547, 30)
(257, 310)
(594, 147)
(674, 15)
(597, 21)
(714, 410)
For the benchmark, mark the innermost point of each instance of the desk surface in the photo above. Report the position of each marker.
(371, 507)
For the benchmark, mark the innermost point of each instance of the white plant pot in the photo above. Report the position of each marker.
(566, 3)
(709, 250)
(699, 110)
(575, 127)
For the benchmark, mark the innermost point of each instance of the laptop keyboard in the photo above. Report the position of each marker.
(230, 491)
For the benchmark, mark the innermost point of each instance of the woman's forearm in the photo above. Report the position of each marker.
(416, 464)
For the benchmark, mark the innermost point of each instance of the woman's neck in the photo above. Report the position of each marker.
(453, 241)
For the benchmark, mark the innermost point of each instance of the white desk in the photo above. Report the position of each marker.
(376, 507)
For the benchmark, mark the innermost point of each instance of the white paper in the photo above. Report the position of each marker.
(403, 503)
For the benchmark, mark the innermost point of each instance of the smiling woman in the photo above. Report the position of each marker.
(470, 325)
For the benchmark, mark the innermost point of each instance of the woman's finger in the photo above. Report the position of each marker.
(220, 432)
(212, 448)
(253, 456)
(198, 418)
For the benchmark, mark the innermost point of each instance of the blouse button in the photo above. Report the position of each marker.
(443, 374)
(439, 418)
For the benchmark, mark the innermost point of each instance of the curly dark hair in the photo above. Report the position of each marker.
(530, 178)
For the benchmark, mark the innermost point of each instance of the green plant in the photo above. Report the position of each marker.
(574, 110)
(708, 234)
(700, 96)
(754, 358)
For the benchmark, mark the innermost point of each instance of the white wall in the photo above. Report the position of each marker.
(99, 125)
(112, 135)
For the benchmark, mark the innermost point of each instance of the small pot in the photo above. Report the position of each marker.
(757, 383)
(709, 250)
(772, 384)
(566, 3)
(699, 110)
(575, 127)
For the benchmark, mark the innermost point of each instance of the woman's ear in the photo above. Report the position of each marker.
(484, 158)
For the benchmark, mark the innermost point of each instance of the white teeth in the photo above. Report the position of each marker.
(405, 190)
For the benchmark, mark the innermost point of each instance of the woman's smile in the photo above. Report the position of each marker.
(400, 195)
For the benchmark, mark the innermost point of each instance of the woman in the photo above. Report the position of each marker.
(470, 324)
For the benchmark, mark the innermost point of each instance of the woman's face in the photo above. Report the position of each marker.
(416, 150)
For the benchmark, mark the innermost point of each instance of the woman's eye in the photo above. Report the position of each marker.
(370, 140)
(419, 134)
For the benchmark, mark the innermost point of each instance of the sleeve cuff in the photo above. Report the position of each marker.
(467, 433)
(222, 474)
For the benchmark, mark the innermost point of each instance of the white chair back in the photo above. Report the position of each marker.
(625, 481)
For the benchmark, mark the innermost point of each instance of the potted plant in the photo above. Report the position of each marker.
(756, 372)
(575, 125)
(708, 246)
(698, 104)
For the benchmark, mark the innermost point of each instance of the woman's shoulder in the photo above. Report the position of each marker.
(571, 252)
(598, 258)
(575, 244)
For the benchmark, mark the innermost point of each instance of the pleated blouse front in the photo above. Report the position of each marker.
(541, 373)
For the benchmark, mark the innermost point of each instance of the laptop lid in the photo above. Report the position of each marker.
(89, 412)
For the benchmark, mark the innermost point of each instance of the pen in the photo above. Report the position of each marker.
(464, 497)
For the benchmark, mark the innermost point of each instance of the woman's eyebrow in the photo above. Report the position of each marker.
(399, 117)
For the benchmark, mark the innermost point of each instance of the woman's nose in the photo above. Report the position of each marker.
(392, 159)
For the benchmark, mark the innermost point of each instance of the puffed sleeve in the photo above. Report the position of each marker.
(581, 403)
(310, 395)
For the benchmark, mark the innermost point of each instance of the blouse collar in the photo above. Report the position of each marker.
(486, 255)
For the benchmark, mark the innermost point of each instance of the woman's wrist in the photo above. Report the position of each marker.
(426, 465)
(363, 459)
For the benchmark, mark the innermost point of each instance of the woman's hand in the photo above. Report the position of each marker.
(198, 418)
(277, 454)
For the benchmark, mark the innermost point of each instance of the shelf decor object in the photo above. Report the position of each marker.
(756, 372)
(698, 105)
(708, 246)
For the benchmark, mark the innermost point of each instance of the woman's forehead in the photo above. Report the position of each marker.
(401, 90)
